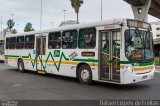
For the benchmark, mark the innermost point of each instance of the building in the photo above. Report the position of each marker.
(69, 22)
(156, 29)
(156, 37)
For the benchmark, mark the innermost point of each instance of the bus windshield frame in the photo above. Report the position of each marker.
(139, 45)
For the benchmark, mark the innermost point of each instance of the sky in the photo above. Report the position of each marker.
(29, 11)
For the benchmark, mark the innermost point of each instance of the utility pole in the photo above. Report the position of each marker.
(101, 10)
(64, 15)
(17, 27)
(1, 25)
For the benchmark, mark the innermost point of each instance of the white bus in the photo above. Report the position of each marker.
(116, 51)
(1, 50)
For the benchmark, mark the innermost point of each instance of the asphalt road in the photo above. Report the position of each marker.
(32, 86)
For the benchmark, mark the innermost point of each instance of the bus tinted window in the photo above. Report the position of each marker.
(87, 38)
(69, 39)
(20, 42)
(7, 43)
(29, 41)
(54, 40)
(12, 43)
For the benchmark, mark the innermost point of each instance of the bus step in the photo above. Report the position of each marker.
(41, 72)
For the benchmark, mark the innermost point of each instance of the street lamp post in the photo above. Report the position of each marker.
(101, 10)
(1, 24)
(17, 27)
(12, 16)
(64, 15)
(41, 15)
(52, 24)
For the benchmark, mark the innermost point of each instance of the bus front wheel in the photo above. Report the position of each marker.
(21, 66)
(85, 74)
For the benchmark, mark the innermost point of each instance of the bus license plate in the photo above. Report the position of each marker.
(144, 77)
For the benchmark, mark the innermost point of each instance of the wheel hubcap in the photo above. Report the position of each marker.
(20, 66)
(85, 74)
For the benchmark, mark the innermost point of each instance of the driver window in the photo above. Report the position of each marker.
(130, 42)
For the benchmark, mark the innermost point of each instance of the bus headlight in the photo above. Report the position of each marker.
(129, 68)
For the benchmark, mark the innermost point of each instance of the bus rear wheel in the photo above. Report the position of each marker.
(85, 74)
(21, 66)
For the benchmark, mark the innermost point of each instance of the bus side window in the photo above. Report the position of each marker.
(87, 38)
(20, 42)
(12, 43)
(69, 39)
(29, 41)
(54, 40)
(7, 43)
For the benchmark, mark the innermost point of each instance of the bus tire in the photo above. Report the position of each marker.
(85, 74)
(21, 66)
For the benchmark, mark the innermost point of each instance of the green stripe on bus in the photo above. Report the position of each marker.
(67, 59)
(11, 56)
(140, 64)
(52, 57)
(85, 60)
(25, 57)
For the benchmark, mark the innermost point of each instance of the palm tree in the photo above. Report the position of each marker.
(28, 27)
(76, 4)
(10, 24)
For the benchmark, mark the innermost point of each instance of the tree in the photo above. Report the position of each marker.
(28, 27)
(10, 24)
(14, 31)
(76, 4)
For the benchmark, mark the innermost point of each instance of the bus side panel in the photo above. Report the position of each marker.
(57, 62)
(29, 60)
(27, 57)
(66, 63)
(12, 58)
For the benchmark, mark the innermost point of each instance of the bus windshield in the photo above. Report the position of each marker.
(1, 48)
(139, 45)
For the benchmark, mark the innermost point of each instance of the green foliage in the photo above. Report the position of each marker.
(28, 27)
(157, 61)
(76, 4)
(10, 24)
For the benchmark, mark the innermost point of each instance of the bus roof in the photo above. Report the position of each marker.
(77, 26)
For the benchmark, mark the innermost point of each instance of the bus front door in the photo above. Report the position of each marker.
(110, 55)
(40, 54)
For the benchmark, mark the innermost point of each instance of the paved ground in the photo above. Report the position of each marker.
(32, 86)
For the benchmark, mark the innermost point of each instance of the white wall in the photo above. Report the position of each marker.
(154, 30)
(1, 36)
